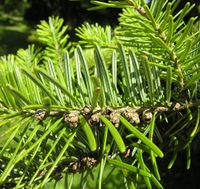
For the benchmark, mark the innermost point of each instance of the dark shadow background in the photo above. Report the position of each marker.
(74, 12)
(179, 177)
(22, 13)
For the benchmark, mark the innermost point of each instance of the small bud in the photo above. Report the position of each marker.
(40, 114)
(142, 11)
(132, 116)
(74, 166)
(89, 162)
(176, 106)
(72, 119)
(94, 119)
(86, 111)
(114, 118)
(108, 111)
(147, 116)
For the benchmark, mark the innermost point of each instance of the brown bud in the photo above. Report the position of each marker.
(108, 111)
(132, 116)
(142, 11)
(72, 119)
(74, 166)
(86, 111)
(114, 118)
(176, 106)
(147, 116)
(89, 162)
(94, 119)
(40, 114)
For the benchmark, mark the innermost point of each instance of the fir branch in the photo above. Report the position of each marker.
(71, 112)
(135, 115)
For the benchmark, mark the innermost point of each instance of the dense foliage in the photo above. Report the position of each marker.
(117, 99)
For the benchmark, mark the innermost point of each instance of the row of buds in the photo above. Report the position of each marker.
(84, 163)
(132, 115)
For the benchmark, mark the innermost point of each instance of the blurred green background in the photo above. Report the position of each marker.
(18, 19)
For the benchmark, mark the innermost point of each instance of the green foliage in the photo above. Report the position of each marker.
(122, 100)
(53, 35)
(95, 34)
